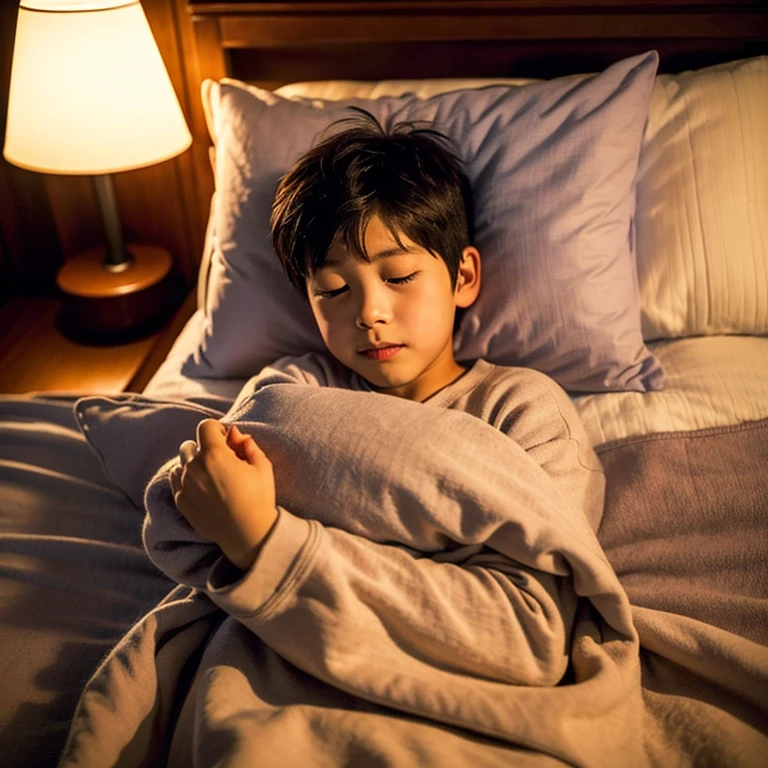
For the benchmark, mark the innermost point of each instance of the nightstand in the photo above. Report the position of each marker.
(99, 302)
(35, 356)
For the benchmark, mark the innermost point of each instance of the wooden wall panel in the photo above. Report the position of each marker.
(178, 176)
(29, 246)
(202, 57)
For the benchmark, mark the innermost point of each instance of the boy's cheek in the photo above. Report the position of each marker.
(336, 343)
(324, 317)
(331, 325)
(324, 328)
(332, 338)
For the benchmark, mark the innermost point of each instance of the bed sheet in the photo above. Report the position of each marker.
(710, 381)
(73, 574)
(169, 381)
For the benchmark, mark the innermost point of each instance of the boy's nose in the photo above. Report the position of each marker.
(372, 311)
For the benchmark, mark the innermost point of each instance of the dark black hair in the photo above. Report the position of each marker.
(410, 176)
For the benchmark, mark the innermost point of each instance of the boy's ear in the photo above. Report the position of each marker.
(468, 279)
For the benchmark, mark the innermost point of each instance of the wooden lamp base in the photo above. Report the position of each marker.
(106, 304)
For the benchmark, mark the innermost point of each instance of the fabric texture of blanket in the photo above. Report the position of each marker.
(74, 576)
(291, 667)
(685, 529)
(370, 480)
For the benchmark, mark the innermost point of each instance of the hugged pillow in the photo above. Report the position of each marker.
(702, 203)
(552, 165)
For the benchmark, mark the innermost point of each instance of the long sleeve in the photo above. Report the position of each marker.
(351, 612)
(463, 611)
(534, 411)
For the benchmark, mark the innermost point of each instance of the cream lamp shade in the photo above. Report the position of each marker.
(89, 92)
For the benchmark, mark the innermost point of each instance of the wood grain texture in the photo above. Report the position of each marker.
(29, 249)
(37, 357)
(85, 275)
(163, 345)
(466, 7)
(268, 30)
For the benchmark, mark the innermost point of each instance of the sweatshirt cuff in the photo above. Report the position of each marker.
(272, 568)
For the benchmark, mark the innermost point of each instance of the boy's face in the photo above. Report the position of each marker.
(391, 320)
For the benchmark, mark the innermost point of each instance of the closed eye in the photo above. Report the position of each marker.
(329, 294)
(402, 280)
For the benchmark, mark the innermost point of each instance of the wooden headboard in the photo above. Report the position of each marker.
(272, 43)
(277, 42)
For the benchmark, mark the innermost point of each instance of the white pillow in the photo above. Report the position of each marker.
(702, 203)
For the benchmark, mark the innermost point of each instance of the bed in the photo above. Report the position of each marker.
(619, 160)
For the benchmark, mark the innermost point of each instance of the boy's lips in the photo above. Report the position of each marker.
(381, 351)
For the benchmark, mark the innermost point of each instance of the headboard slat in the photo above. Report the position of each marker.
(288, 30)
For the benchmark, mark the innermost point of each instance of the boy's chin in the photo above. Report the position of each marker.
(399, 386)
(381, 383)
(378, 381)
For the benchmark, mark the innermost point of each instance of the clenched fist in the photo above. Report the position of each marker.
(225, 488)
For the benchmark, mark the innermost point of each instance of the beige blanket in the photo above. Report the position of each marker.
(686, 529)
(334, 657)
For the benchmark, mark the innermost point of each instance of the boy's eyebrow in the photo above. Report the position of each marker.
(383, 254)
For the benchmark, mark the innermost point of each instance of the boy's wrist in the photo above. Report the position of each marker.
(245, 550)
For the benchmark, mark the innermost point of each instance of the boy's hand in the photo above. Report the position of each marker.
(225, 488)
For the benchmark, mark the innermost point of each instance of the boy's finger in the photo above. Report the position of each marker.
(244, 445)
(187, 451)
(210, 433)
(237, 441)
(235, 436)
(252, 452)
(175, 478)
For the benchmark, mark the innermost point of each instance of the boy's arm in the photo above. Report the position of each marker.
(536, 413)
(465, 612)
(353, 612)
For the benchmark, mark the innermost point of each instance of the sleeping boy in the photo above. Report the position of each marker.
(373, 226)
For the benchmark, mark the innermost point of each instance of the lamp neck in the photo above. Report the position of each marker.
(117, 258)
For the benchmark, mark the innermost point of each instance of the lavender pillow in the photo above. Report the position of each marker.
(553, 168)
(134, 435)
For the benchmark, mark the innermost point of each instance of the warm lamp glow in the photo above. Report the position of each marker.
(89, 91)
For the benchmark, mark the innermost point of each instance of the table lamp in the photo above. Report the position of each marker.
(90, 95)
